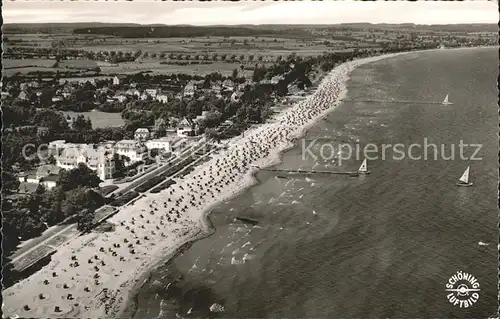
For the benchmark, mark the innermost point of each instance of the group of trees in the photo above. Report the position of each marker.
(73, 199)
(175, 31)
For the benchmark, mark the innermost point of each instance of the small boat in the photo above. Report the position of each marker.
(464, 180)
(282, 176)
(363, 169)
(446, 100)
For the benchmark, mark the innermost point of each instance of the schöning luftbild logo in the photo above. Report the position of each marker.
(464, 290)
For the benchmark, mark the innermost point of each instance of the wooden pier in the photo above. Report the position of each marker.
(306, 171)
(394, 101)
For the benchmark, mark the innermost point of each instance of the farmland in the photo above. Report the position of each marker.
(200, 50)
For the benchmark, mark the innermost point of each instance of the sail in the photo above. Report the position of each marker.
(465, 175)
(446, 99)
(363, 167)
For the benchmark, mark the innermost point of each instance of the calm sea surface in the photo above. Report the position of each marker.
(380, 245)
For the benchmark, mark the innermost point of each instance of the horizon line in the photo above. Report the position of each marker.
(260, 24)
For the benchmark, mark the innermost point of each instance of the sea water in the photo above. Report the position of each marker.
(380, 245)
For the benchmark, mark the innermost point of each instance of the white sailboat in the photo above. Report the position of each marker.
(446, 100)
(464, 180)
(363, 169)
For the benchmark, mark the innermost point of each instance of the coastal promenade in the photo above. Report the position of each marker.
(41, 247)
(93, 275)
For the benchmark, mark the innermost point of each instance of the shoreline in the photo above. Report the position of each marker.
(280, 155)
(197, 224)
(132, 275)
(130, 308)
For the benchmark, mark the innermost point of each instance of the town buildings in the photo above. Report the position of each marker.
(99, 160)
(47, 175)
(135, 151)
(164, 144)
(189, 89)
(141, 134)
(186, 127)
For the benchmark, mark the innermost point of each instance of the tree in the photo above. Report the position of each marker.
(234, 74)
(211, 133)
(85, 220)
(82, 124)
(259, 74)
(161, 131)
(46, 97)
(119, 166)
(206, 82)
(282, 88)
(9, 182)
(82, 176)
(79, 200)
(51, 160)
(213, 119)
(40, 190)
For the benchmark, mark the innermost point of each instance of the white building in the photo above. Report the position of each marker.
(163, 144)
(163, 98)
(99, 160)
(235, 97)
(186, 128)
(23, 95)
(141, 134)
(228, 85)
(275, 79)
(189, 89)
(55, 147)
(49, 182)
(134, 150)
(46, 175)
(116, 81)
(152, 92)
(120, 98)
(133, 92)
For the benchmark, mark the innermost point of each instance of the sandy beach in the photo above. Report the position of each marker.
(94, 275)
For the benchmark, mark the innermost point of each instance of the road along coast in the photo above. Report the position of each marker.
(94, 275)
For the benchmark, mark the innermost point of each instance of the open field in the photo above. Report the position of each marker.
(78, 64)
(22, 63)
(157, 68)
(193, 51)
(24, 70)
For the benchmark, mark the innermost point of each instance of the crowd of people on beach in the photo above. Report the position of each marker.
(94, 264)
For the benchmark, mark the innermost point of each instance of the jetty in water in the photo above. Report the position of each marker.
(395, 101)
(311, 171)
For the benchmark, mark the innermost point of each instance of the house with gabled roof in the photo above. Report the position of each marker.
(189, 89)
(187, 127)
(141, 134)
(228, 84)
(98, 160)
(23, 95)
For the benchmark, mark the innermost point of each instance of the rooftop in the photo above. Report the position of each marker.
(50, 178)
